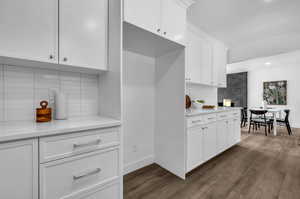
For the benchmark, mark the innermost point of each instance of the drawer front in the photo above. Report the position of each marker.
(71, 176)
(110, 191)
(236, 114)
(223, 115)
(195, 121)
(210, 118)
(57, 147)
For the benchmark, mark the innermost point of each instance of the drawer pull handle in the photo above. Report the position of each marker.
(223, 116)
(89, 173)
(203, 128)
(196, 121)
(211, 118)
(93, 143)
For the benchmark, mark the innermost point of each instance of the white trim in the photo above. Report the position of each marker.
(187, 3)
(133, 166)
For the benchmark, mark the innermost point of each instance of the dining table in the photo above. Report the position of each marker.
(274, 112)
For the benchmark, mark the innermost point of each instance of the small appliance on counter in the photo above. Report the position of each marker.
(61, 111)
(43, 114)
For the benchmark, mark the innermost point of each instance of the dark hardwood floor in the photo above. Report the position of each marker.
(259, 167)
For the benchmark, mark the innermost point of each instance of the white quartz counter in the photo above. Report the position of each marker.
(10, 131)
(194, 112)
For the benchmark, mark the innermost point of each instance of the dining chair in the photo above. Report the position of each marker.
(259, 119)
(244, 117)
(284, 121)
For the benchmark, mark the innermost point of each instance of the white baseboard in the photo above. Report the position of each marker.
(133, 166)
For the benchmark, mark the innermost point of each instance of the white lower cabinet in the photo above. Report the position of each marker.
(19, 170)
(209, 141)
(194, 147)
(222, 135)
(83, 165)
(68, 177)
(79, 165)
(209, 135)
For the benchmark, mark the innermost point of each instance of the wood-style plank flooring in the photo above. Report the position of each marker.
(259, 167)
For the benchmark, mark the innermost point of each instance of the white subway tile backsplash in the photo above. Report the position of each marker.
(23, 88)
(18, 93)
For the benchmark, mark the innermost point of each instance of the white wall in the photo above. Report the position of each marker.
(207, 93)
(138, 112)
(283, 67)
(22, 89)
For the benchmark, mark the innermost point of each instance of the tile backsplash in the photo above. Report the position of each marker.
(22, 88)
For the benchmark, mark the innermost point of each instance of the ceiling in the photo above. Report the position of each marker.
(250, 28)
(276, 61)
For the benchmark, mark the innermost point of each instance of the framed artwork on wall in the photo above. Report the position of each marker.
(275, 92)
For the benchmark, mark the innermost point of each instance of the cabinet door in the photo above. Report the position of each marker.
(19, 170)
(231, 132)
(219, 64)
(29, 29)
(83, 33)
(209, 141)
(222, 135)
(194, 148)
(237, 130)
(144, 14)
(174, 20)
(199, 59)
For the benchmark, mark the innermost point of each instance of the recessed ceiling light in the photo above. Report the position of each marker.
(268, 63)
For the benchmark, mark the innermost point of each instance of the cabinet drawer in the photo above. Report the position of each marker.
(72, 176)
(195, 121)
(236, 114)
(57, 147)
(223, 115)
(210, 118)
(111, 191)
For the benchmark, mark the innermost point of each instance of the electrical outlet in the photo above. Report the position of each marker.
(134, 148)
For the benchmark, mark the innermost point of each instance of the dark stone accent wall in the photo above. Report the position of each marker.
(237, 89)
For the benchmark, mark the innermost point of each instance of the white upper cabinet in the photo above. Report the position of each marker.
(219, 64)
(166, 18)
(37, 30)
(83, 33)
(144, 14)
(206, 59)
(174, 20)
(29, 29)
(199, 59)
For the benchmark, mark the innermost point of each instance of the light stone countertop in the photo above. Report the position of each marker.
(194, 112)
(11, 131)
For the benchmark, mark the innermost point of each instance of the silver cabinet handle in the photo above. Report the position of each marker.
(188, 79)
(211, 118)
(92, 143)
(203, 128)
(165, 33)
(86, 174)
(222, 116)
(65, 59)
(196, 121)
(158, 30)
